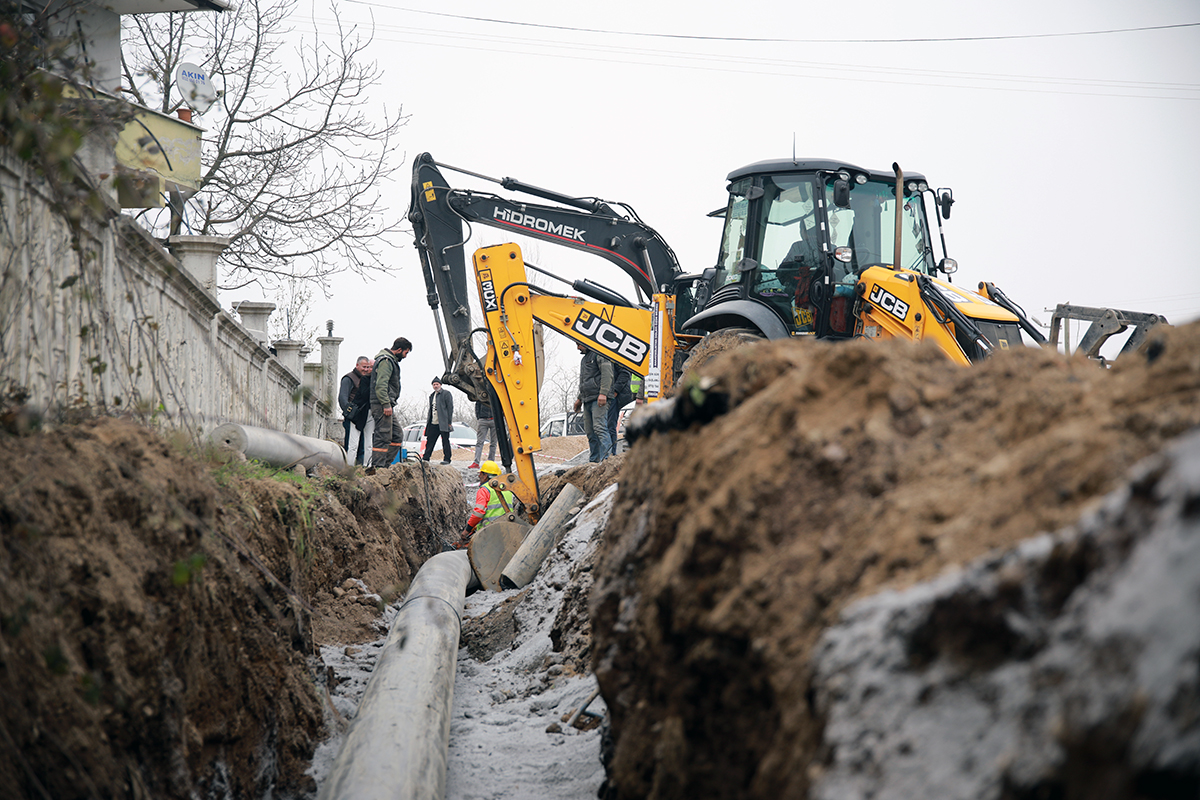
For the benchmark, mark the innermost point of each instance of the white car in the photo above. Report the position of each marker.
(563, 425)
(462, 437)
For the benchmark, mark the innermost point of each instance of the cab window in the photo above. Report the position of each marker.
(733, 241)
(789, 247)
(868, 228)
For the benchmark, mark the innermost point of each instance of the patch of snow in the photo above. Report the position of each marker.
(499, 744)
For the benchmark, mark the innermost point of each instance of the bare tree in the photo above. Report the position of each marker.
(560, 384)
(411, 409)
(293, 304)
(292, 166)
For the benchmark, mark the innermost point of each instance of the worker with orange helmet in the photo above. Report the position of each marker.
(491, 503)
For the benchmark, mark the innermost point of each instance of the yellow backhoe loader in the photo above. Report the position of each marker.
(809, 248)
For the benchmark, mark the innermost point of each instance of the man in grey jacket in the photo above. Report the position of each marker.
(595, 392)
(440, 421)
(385, 391)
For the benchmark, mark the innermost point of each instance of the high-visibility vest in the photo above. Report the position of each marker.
(494, 507)
(635, 383)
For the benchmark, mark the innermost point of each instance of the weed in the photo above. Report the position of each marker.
(189, 569)
(298, 519)
(294, 510)
(12, 624)
(56, 660)
(90, 686)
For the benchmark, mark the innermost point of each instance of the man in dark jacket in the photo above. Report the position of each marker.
(385, 391)
(440, 421)
(355, 402)
(621, 386)
(595, 391)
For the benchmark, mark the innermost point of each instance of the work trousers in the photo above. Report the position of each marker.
(614, 412)
(595, 425)
(487, 429)
(385, 439)
(432, 434)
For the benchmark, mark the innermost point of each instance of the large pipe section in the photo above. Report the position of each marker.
(279, 449)
(397, 745)
(528, 559)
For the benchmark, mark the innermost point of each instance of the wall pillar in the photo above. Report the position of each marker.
(314, 424)
(199, 255)
(287, 353)
(330, 380)
(254, 318)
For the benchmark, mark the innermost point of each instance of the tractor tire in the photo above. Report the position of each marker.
(712, 346)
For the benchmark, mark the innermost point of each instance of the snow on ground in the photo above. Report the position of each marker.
(499, 744)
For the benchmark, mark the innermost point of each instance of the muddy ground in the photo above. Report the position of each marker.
(160, 607)
(839, 471)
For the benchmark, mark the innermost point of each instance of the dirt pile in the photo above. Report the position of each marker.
(1063, 667)
(158, 611)
(838, 471)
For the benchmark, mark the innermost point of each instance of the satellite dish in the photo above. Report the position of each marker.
(195, 87)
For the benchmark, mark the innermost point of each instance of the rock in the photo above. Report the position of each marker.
(1065, 667)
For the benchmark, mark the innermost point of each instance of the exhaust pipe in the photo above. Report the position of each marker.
(899, 208)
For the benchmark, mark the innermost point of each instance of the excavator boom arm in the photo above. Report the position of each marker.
(639, 339)
(438, 213)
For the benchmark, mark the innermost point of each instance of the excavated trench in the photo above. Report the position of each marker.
(161, 616)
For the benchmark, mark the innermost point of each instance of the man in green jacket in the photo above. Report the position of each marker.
(385, 391)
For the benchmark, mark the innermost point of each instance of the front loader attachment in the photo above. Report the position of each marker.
(1106, 322)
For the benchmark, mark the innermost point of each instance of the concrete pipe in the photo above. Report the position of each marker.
(279, 449)
(397, 746)
(533, 551)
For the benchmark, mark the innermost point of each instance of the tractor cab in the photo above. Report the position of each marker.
(797, 236)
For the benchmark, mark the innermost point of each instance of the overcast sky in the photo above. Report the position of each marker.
(1072, 152)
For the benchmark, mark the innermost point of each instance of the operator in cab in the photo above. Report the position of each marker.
(490, 504)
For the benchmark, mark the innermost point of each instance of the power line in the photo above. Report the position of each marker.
(574, 48)
(794, 69)
(494, 21)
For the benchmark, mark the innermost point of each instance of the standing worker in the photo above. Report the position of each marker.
(354, 399)
(624, 392)
(595, 390)
(486, 427)
(490, 504)
(636, 386)
(385, 392)
(440, 420)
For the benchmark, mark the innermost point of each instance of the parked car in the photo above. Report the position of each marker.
(570, 424)
(626, 410)
(573, 424)
(462, 437)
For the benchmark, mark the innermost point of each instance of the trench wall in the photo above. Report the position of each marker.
(120, 326)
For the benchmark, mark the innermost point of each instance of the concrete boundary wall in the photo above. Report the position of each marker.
(121, 326)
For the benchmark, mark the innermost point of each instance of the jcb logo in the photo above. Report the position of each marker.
(610, 337)
(489, 292)
(889, 303)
